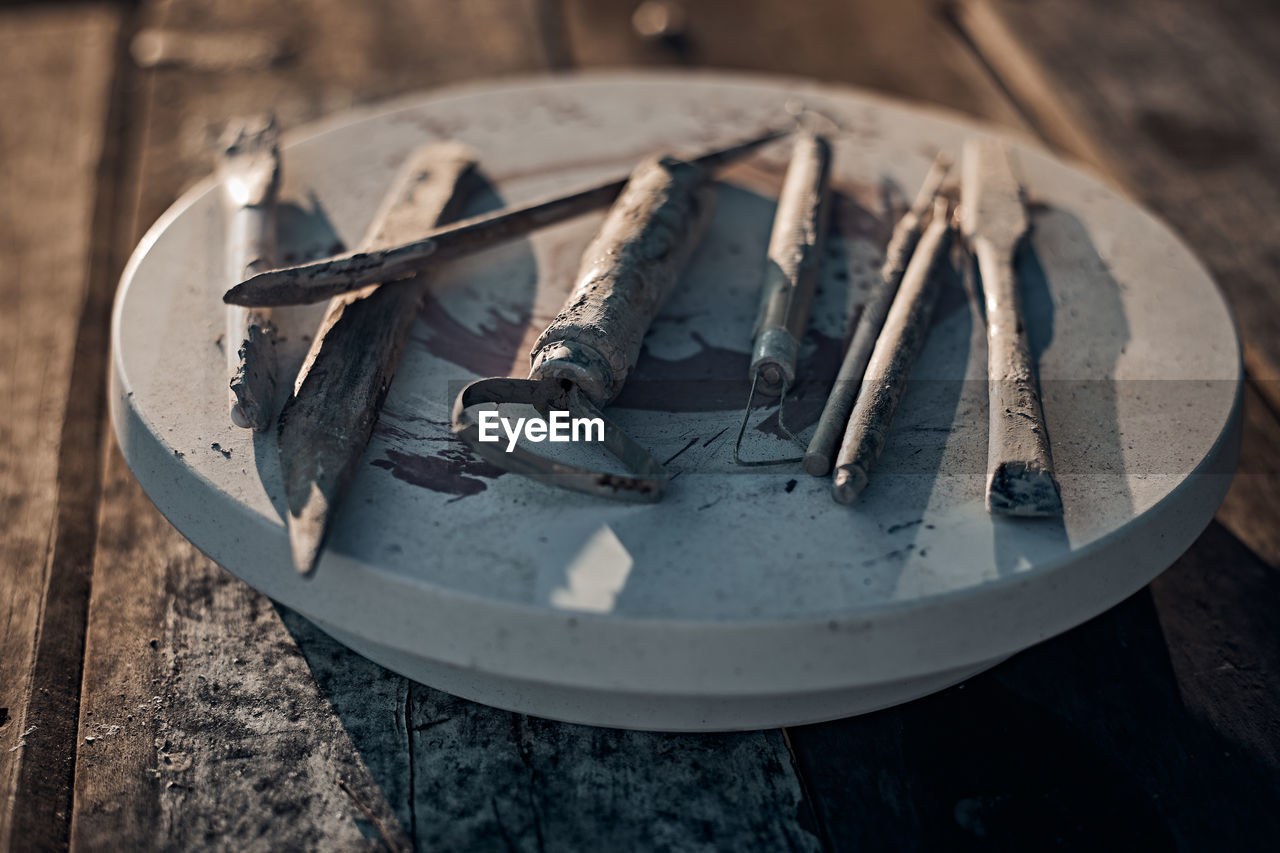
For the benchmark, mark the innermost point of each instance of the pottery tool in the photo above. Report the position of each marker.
(902, 243)
(326, 424)
(249, 172)
(323, 279)
(791, 272)
(582, 359)
(561, 605)
(1020, 478)
(899, 342)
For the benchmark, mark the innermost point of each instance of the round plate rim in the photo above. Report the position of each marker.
(883, 613)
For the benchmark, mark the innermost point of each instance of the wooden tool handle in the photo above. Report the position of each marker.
(791, 270)
(1020, 477)
(834, 421)
(626, 275)
(889, 368)
(250, 338)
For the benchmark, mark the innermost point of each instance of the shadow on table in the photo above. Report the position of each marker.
(1094, 740)
(1072, 306)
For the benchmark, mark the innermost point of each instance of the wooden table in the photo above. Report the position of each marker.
(149, 699)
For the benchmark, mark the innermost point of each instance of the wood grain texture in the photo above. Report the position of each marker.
(226, 732)
(487, 780)
(202, 724)
(207, 719)
(55, 102)
(1251, 510)
(900, 48)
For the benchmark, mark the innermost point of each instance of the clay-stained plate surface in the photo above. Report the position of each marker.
(745, 598)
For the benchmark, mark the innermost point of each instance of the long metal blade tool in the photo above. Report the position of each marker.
(790, 276)
(326, 424)
(320, 280)
(1020, 476)
(902, 243)
(249, 173)
(582, 359)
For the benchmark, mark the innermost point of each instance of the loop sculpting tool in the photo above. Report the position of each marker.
(835, 414)
(249, 172)
(1020, 477)
(582, 359)
(791, 273)
(321, 280)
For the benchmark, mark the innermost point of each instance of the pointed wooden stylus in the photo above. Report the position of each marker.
(326, 424)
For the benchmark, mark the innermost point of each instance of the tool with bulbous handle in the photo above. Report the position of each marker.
(582, 359)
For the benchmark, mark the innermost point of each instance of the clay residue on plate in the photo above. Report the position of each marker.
(712, 378)
(488, 351)
(453, 471)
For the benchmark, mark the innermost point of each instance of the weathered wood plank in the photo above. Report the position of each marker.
(329, 57)
(1084, 742)
(486, 780)
(240, 728)
(1173, 95)
(226, 731)
(1252, 508)
(900, 47)
(203, 724)
(55, 101)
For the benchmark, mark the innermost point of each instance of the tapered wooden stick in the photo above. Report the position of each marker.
(1020, 477)
(891, 361)
(790, 278)
(326, 425)
(323, 279)
(791, 266)
(835, 414)
(249, 172)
